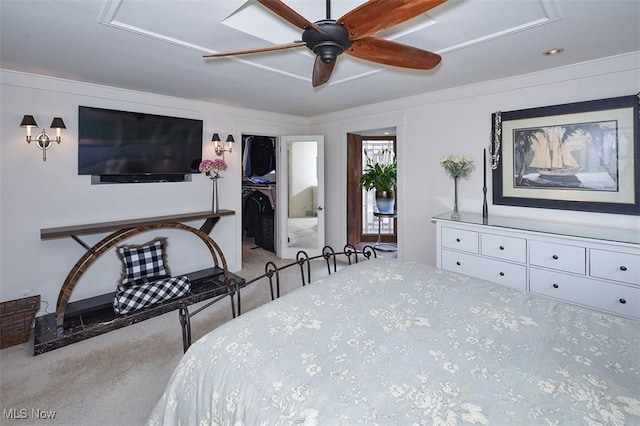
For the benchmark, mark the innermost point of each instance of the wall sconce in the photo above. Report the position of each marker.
(43, 140)
(220, 149)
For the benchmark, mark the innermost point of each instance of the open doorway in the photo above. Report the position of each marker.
(363, 225)
(283, 203)
(259, 196)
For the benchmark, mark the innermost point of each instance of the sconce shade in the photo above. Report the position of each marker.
(57, 123)
(28, 120)
(219, 148)
(43, 140)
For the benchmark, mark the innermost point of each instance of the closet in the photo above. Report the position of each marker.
(259, 190)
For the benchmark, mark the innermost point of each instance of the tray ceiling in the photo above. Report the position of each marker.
(157, 46)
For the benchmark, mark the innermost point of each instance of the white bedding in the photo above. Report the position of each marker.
(387, 342)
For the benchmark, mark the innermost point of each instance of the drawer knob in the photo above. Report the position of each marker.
(457, 240)
(555, 285)
(458, 263)
(555, 257)
(502, 274)
(623, 268)
(623, 301)
(501, 247)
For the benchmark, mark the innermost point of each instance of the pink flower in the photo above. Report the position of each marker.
(212, 168)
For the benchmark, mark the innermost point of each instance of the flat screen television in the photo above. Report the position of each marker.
(127, 145)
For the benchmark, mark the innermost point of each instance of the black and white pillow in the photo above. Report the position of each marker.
(141, 296)
(143, 263)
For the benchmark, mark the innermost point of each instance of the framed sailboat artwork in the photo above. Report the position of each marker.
(580, 156)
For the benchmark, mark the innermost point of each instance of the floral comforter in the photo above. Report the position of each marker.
(388, 342)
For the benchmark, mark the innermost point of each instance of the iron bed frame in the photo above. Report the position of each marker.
(272, 274)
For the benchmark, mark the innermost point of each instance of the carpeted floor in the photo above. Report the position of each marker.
(117, 378)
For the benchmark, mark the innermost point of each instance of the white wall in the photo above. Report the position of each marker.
(37, 194)
(458, 121)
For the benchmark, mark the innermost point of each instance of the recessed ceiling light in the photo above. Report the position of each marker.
(553, 52)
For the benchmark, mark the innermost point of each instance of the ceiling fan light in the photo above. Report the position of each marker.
(328, 51)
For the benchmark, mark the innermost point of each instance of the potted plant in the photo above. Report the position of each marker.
(381, 175)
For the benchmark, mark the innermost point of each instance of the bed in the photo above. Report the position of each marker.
(392, 342)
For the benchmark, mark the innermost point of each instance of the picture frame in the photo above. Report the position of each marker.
(580, 156)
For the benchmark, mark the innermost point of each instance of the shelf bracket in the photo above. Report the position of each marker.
(82, 243)
(208, 224)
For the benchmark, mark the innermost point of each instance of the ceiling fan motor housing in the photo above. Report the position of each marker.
(327, 46)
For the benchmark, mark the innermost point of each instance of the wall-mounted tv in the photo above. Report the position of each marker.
(126, 145)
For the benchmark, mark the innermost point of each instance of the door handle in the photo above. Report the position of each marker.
(319, 207)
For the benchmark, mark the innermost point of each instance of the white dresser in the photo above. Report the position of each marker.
(589, 266)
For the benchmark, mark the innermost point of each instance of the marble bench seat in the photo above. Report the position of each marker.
(91, 317)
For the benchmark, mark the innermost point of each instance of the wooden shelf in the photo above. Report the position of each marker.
(96, 228)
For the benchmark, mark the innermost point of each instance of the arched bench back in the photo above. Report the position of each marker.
(94, 253)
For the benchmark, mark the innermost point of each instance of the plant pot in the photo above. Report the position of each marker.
(385, 200)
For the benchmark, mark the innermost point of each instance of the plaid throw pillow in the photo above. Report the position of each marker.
(141, 296)
(143, 263)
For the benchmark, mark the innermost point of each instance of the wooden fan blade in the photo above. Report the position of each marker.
(321, 72)
(377, 15)
(290, 15)
(392, 53)
(263, 49)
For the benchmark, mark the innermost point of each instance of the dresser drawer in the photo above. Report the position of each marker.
(615, 298)
(558, 256)
(504, 273)
(507, 248)
(460, 239)
(611, 265)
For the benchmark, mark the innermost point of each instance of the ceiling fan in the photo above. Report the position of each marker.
(353, 34)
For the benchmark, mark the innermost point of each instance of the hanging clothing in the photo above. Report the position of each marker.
(255, 203)
(258, 190)
(262, 156)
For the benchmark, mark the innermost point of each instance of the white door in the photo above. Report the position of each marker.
(300, 195)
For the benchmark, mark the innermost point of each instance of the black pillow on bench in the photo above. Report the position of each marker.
(141, 296)
(142, 281)
(143, 263)
(146, 279)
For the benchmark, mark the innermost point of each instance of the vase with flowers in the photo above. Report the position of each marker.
(212, 169)
(457, 168)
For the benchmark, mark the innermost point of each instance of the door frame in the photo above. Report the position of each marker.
(354, 192)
